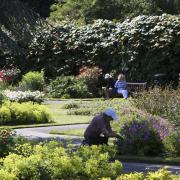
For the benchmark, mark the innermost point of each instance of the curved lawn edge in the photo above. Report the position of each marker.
(39, 125)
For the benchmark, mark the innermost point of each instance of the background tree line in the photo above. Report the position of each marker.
(85, 11)
(139, 46)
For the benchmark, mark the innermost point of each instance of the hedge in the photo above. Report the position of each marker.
(139, 47)
(23, 113)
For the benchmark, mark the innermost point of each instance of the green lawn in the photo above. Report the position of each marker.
(60, 116)
(74, 132)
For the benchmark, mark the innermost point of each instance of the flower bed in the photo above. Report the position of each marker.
(20, 96)
(8, 74)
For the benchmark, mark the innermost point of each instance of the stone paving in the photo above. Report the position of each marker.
(42, 133)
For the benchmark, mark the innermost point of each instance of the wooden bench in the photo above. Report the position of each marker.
(134, 89)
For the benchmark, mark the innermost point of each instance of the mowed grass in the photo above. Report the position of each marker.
(64, 116)
(73, 132)
(87, 107)
(60, 116)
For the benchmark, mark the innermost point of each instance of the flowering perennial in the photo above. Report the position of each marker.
(7, 74)
(20, 96)
(144, 136)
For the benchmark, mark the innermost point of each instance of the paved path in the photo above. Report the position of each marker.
(144, 167)
(42, 133)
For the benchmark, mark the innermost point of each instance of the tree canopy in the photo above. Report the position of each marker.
(85, 11)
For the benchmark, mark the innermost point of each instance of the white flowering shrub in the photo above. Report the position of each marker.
(139, 47)
(20, 96)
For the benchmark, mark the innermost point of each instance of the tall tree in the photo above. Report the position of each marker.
(17, 28)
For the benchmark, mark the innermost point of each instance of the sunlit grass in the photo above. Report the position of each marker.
(74, 132)
(60, 116)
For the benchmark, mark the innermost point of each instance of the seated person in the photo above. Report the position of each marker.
(108, 85)
(121, 86)
(100, 125)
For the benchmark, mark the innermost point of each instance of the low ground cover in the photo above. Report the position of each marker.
(52, 161)
(35, 162)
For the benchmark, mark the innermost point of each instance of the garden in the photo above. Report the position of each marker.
(148, 125)
(53, 59)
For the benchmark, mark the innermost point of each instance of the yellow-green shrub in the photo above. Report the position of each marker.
(23, 113)
(51, 161)
(5, 175)
(131, 176)
(32, 81)
(161, 174)
(5, 115)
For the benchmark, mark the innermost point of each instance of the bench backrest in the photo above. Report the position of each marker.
(136, 87)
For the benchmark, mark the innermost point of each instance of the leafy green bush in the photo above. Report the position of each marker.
(91, 77)
(51, 161)
(33, 81)
(172, 143)
(133, 176)
(71, 105)
(165, 103)
(23, 113)
(80, 111)
(68, 87)
(5, 115)
(6, 141)
(5, 175)
(123, 47)
(143, 136)
(161, 174)
(1, 97)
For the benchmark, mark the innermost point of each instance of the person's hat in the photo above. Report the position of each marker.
(112, 113)
(107, 76)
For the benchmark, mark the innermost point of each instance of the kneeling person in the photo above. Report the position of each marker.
(100, 125)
